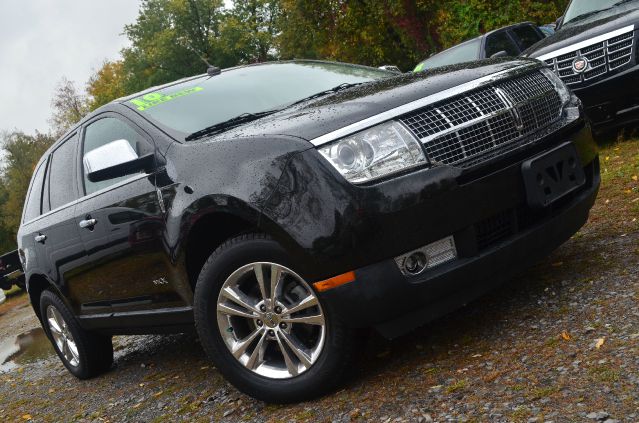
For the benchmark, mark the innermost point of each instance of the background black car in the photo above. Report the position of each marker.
(282, 208)
(509, 41)
(594, 51)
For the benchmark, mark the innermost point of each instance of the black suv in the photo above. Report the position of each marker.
(280, 208)
(594, 51)
(509, 41)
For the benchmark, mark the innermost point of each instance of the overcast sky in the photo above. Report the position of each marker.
(43, 40)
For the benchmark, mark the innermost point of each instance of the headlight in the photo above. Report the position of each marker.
(376, 152)
(560, 86)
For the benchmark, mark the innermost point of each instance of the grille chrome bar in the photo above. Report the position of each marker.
(606, 53)
(461, 130)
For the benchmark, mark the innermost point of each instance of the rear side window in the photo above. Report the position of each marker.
(102, 132)
(526, 36)
(499, 42)
(61, 175)
(32, 207)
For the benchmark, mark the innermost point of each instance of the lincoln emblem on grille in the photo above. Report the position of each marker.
(512, 108)
(580, 64)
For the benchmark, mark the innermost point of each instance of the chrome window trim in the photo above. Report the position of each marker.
(87, 197)
(578, 46)
(414, 105)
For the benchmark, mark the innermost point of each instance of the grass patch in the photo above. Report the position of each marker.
(457, 386)
(604, 374)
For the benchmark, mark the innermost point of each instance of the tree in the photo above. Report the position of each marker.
(69, 107)
(21, 154)
(106, 84)
(172, 39)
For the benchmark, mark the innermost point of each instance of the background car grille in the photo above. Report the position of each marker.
(464, 129)
(608, 56)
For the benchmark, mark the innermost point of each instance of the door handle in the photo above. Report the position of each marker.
(88, 223)
(40, 238)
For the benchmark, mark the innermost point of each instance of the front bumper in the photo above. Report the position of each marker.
(330, 227)
(394, 304)
(612, 102)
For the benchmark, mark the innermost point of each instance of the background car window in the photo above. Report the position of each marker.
(501, 42)
(102, 132)
(526, 36)
(466, 52)
(62, 174)
(34, 200)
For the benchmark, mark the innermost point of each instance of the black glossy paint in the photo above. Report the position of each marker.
(133, 272)
(611, 101)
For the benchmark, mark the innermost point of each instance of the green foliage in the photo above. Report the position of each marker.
(21, 154)
(106, 84)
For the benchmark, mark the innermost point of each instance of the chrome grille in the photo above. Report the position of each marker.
(461, 130)
(603, 57)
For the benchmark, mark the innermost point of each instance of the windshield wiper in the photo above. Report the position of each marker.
(333, 90)
(228, 124)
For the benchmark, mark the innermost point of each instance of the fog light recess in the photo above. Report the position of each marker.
(432, 255)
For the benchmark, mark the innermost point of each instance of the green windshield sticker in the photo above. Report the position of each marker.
(153, 99)
(419, 68)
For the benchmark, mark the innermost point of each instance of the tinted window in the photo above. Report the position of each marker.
(190, 106)
(62, 175)
(527, 36)
(34, 200)
(500, 42)
(465, 52)
(102, 132)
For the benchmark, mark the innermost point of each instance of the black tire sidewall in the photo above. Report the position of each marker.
(231, 256)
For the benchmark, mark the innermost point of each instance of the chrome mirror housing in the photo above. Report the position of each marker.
(109, 155)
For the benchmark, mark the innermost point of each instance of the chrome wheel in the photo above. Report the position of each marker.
(271, 320)
(62, 336)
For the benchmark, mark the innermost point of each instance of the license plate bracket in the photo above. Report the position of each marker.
(552, 175)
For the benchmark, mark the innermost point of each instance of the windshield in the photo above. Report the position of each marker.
(579, 8)
(466, 52)
(190, 106)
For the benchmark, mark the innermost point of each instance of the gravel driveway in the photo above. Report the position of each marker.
(558, 343)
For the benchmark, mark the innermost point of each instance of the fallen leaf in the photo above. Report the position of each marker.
(27, 417)
(566, 336)
(600, 342)
(558, 264)
(635, 178)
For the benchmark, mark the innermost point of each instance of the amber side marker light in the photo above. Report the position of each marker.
(334, 282)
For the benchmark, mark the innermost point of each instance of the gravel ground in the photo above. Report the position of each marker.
(558, 343)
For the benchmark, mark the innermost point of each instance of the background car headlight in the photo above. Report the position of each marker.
(376, 152)
(560, 86)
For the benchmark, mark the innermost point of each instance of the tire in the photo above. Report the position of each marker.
(93, 354)
(301, 380)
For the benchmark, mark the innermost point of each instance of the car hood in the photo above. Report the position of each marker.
(315, 118)
(599, 24)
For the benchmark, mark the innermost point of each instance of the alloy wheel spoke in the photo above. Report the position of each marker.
(66, 351)
(257, 356)
(303, 304)
(290, 366)
(259, 275)
(53, 325)
(239, 298)
(241, 346)
(276, 276)
(297, 349)
(73, 348)
(306, 320)
(232, 311)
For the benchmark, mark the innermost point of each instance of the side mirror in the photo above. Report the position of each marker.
(114, 160)
(499, 54)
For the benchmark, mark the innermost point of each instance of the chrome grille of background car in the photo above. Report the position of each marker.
(464, 129)
(604, 57)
